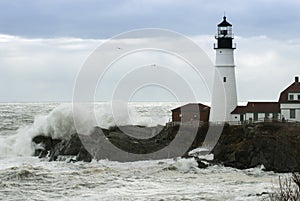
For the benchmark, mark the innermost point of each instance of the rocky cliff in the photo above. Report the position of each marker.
(274, 145)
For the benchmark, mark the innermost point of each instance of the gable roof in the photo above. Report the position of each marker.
(258, 107)
(191, 107)
(239, 110)
(293, 88)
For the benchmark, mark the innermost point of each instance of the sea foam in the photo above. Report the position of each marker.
(59, 123)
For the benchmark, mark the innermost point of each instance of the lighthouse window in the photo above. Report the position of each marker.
(224, 79)
(224, 32)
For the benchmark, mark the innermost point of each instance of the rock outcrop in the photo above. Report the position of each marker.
(156, 139)
(274, 145)
(53, 148)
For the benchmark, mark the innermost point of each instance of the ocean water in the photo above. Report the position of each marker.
(23, 177)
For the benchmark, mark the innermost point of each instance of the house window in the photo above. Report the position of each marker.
(255, 115)
(292, 113)
(224, 79)
(266, 115)
(291, 97)
(298, 97)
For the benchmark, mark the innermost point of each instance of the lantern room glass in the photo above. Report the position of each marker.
(225, 32)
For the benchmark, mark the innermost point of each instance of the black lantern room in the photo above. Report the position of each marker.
(224, 36)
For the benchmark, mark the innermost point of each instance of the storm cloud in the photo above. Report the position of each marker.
(43, 44)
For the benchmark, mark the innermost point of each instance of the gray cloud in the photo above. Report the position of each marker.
(44, 43)
(40, 69)
(103, 19)
(46, 69)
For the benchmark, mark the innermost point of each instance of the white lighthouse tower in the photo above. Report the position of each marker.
(224, 96)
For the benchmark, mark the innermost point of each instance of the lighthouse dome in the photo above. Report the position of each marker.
(224, 23)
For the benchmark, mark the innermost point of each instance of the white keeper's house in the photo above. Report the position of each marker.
(287, 108)
(290, 101)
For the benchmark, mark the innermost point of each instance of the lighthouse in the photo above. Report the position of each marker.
(224, 95)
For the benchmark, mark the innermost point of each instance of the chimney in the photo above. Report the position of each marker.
(296, 79)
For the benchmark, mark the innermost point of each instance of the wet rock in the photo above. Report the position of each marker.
(57, 150)
(84, 155)
(46, 146)
(274, 145)
(72, 146)
(43, 153)
(202, 164)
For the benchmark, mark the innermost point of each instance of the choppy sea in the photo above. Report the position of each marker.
(23, 177)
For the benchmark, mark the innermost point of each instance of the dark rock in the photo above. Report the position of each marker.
(274, 145)
(201, 164)
(84, 155)
(46, 144)
(56, 147)
(57, 150)
(44, 140)
(43, 153)
(271, 144)
(72, 146)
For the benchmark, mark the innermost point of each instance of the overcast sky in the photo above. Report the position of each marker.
(43, 44)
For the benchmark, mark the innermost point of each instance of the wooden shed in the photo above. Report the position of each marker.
(191, 112)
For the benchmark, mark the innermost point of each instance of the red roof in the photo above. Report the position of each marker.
(258, 107)
(239, 110)
(293, 88)
(191, 107)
